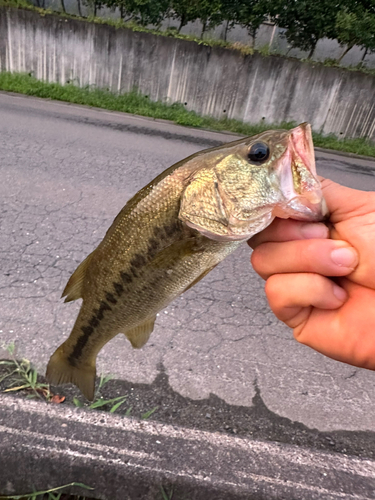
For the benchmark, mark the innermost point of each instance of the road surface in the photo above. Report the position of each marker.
(66, 171)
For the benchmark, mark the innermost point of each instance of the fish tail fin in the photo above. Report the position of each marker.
(61, 371)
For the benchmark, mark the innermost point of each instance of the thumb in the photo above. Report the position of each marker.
(344, 202)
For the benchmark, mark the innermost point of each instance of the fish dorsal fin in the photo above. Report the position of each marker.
(139, 335)
(73, 289)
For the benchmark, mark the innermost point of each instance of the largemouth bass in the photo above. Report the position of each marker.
(177, 229)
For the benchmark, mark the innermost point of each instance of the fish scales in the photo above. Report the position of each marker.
(173, 232)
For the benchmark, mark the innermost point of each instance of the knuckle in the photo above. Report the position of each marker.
(273, 291)
(256, 260)
(308, 255)
(298, 334)
(317, 283)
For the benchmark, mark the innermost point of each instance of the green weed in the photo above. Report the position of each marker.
(165, 495)
(99, 401)
(264, 50)
(50, 493)
(148, 413)
(22, 377)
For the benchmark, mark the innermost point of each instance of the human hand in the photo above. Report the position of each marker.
(335, 316)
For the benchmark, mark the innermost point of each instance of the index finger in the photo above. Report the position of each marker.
(288, 230)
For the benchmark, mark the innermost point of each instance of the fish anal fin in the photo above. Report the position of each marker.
(139, 335)
(73, 289)
(60, 371)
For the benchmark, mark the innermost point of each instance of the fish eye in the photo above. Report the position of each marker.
(259, 152)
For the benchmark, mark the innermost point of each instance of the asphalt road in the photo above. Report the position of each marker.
(65, 172)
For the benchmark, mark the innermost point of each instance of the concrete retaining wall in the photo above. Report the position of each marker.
(213, 81)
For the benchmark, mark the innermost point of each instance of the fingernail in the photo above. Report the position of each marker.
(344, 257)
(339, 292)
(317, 230)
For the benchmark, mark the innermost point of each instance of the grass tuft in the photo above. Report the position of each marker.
(136, 103)
(165, 494)
(148, 413)
(21, 376)
(99, 402)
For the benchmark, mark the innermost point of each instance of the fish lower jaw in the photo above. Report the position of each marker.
(300, 208)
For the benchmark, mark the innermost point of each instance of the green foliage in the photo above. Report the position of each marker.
(250, 14)
(133, 102)
(305, 22)
(18, 4)
(360, 145)
(208, 11)
(143, 12)
(355, 28)
(183, 12)
(351, 22)
(228, 15)
(265, 50)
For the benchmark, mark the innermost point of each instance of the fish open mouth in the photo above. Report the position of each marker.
(297, 174)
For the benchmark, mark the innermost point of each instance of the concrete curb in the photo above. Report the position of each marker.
(164, 127)
(335, 152)
(46, 446)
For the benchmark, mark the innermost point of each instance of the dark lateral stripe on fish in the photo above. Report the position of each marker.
(133, 272)
(126, 278)
(119, 289)
(111, 298)
(170, 229)
(80, 345)
(138, 260)
(152, 248)
(87, 331)
(103, 307)
(158, 232)
(94, 322)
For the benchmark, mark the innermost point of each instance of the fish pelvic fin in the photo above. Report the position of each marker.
(61, 371)
(73, 289)
(139, 335)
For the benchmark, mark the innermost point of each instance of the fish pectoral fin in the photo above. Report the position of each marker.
(73, 289)
(60, 371)
(139, 335)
